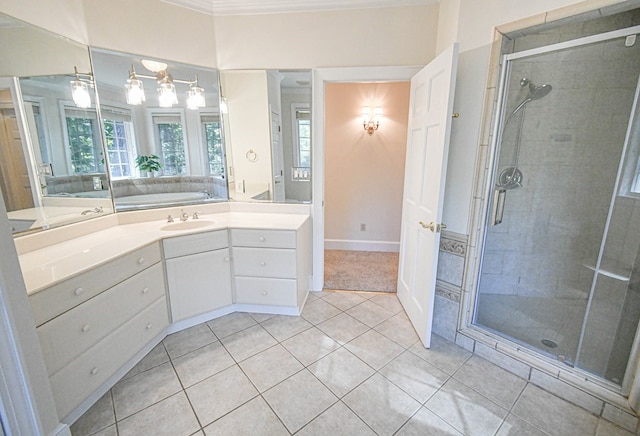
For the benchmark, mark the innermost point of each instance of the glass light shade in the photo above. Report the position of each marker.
(378, 112)
(195, 98)
(366, 114)
(135, 92)
(167, 95)
(80, 94)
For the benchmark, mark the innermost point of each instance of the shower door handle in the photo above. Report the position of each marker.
(435, 228)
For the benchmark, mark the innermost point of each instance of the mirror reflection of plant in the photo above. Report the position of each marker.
(149, 162)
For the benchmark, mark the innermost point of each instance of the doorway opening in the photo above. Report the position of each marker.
(364, 176)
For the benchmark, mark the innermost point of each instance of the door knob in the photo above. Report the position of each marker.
(435, 228)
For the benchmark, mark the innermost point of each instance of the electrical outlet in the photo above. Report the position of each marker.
(363, 227)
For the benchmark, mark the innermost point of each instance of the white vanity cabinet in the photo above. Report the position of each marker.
(198, 273)
(271, 267)
(92, 324)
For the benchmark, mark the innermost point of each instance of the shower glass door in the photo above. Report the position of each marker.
(560, 268)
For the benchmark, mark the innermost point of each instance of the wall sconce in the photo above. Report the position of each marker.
(167, 96)
(80, 89)
(371, 119)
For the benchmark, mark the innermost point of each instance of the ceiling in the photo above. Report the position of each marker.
(249, 7)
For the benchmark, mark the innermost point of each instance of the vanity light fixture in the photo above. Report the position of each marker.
(371, 119)
(167, 96)
(80, 89)
(195, 96)
(135, 89)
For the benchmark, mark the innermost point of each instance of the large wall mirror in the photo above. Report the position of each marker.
(163, 130)
(51, 160)
(268, 127)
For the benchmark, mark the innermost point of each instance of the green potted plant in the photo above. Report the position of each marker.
(148, 163)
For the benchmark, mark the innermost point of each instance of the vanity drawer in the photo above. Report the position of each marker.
(57, 299)
(67, 336)
(76, 381)
(195, 243)
(263, 238)
(271, 292)
(264, 262)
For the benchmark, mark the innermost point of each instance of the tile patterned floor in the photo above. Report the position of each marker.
(350, 365)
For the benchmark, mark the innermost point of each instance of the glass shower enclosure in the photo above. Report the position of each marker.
(560, 266)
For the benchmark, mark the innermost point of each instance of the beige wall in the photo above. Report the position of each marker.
(367, 37)
(152, 28)
(364, 174)
(65, 17)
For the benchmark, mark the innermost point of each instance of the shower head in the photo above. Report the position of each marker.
(537, 92)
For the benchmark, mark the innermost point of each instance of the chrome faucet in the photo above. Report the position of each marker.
(169, 218)
(94, 210)
(183, 215)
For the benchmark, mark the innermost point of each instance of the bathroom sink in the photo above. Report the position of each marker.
(186, 225)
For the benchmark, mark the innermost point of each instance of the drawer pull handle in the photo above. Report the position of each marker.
(78, 291)
(95, 370)
(265, 293)
(145, 291)
(261, 239)
(149, 326)
(85, 328)
(263, 263)
(141, 261)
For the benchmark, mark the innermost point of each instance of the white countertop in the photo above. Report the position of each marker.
(46, 266)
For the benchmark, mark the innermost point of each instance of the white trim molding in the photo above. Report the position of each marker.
(353, 245)
(252, 7)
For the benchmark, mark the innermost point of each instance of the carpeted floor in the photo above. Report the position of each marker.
(360, 270)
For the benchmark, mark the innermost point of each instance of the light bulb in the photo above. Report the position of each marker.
(195, 98)
(167, 95)
(135, 91)
(80, 94)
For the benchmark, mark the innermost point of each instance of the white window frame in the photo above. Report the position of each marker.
(131, 142)
(295, 107)
(156, 147)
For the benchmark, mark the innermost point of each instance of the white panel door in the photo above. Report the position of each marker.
(430, 112)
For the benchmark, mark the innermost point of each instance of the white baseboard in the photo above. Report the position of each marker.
(356, 245)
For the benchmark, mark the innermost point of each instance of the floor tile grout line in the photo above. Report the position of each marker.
(184, 390)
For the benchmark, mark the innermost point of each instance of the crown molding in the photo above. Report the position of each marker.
(253, 7)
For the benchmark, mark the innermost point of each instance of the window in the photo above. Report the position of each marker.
(302, 127)
(170, 136)
(119, 142)
(83, 140)
(212, 131)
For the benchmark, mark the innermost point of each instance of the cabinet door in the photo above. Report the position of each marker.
(199, 283)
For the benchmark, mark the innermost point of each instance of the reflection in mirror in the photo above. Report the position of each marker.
(40, 126)
(268, 127)
(162, 129)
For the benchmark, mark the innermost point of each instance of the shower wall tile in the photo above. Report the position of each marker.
(564, 390)
(503, 361)
(620, 417)
(450, 268)
(466, 342)
(445, 317)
